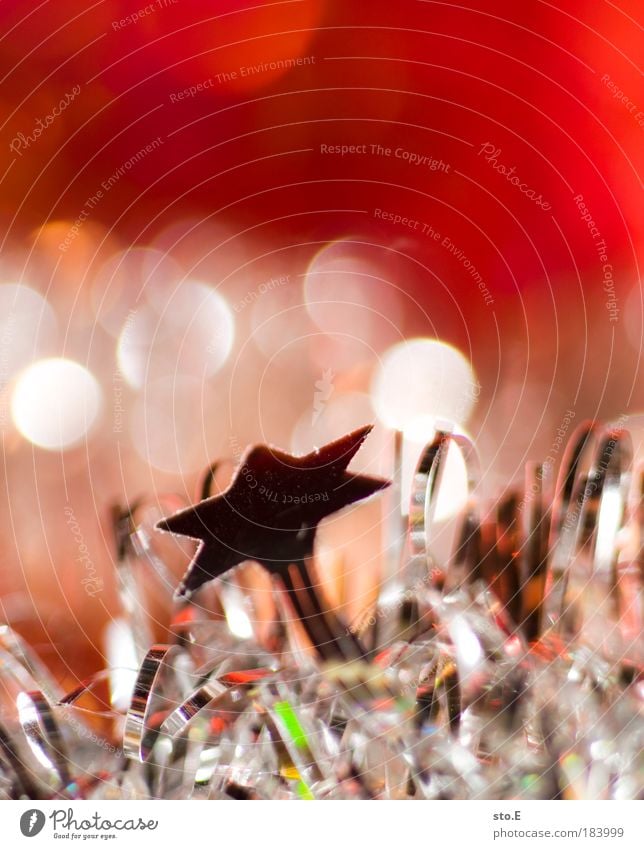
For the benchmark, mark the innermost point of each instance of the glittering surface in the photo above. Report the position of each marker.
(239, 224)
(459, 703)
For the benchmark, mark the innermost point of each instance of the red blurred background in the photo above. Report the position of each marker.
(209, 125)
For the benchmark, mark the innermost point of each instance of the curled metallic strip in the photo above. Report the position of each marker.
(396, 528)
(630, 574)
(324, 628)
(440, 687)
(21, 654)
(612, 474)
(290, 738)
(507, 545)
(156, 662)
(448, 680)
(23, 784)
(87, 686)
(569, 475)
(141, 571)
(16, 676)
(43, 733)
(565, 523)
(182, 716)
(588, 514)
(425, 487)
(535, 548)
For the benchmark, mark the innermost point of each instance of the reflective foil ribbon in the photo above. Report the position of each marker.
(511, 668)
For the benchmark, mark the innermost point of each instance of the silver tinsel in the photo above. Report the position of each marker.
(510, 670)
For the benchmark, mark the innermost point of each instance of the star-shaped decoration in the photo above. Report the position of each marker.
(271, 510)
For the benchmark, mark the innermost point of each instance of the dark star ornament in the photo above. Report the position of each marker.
(271, 510)
(269, 514)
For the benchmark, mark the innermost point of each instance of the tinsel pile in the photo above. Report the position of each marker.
(513, 670)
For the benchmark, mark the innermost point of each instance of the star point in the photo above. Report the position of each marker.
(271, 509)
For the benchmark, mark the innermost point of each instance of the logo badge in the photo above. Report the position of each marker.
(32, 822)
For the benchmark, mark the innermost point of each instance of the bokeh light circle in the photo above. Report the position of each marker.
(191, 336)
(423, 377)
(28, 328)
(347, 292)
(176, 425)
(55, 402)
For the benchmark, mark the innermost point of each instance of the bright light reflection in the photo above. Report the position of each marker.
(28, 716)
(347, 292)
(423, 377)
(55, 402)
(122, 661)
(192, 334)
(28, 328)
(453, 491)
(468, 648)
